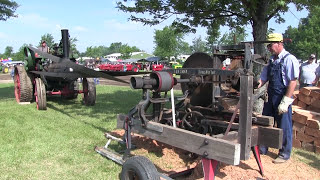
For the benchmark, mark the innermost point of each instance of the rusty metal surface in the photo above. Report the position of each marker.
(201, 94)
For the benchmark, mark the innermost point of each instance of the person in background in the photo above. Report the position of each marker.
(44, 47)
(307, 75)
(282, 73)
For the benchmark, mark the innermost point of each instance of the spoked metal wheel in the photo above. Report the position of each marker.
(40, 94)
(139, 168)
(23, 88)
(89, 91)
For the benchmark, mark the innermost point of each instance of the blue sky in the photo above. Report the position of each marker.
(93, 23)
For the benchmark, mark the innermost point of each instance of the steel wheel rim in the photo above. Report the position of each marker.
(17, 89)
(36, 93)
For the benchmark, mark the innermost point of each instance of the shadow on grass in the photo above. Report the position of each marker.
(115, 103)
(314, 160)
(6, 91)
(108, 105)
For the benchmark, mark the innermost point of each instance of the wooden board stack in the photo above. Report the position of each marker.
(306, 119)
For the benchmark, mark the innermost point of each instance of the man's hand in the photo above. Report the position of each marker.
(284, 104)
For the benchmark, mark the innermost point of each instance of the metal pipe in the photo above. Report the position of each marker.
(173, 109)
(65, 42)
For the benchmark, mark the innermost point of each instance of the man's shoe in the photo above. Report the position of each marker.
(279, 160)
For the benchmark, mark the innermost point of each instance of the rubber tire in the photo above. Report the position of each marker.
(72, 86)
(41, 94)
(141, 167)
(23, 86)
(89, 91)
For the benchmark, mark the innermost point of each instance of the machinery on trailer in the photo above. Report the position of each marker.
(45, 74)
(198, 122)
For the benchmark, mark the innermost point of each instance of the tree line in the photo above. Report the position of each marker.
(211, 15)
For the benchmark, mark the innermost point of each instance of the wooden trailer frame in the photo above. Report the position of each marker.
(228, 148)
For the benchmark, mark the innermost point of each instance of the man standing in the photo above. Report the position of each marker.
(308, 72)
(282, 73)
(44, 47)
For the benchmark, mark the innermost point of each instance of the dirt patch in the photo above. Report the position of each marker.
(169, 160)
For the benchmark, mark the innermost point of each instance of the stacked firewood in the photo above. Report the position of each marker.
(306, 119)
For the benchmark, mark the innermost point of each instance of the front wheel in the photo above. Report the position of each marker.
(139, 168)
(89, 91)
(40, 94)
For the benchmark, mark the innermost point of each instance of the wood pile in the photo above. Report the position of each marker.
(306, 119)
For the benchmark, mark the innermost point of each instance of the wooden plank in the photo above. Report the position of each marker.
(302, 104)
(304, 98)
(315, 115)
(314, 108)
(296, 143)
(308, 90)
(312, 132)
(315, 94)
(264, 120)
(312, 123)
(245, 117)
(298, 127)
(300, 117)
(228, 103)
(270, 137)
(213, 148)
(308, 146)
(304, 137)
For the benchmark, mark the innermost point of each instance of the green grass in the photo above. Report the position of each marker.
(310, 158)
(59, 143)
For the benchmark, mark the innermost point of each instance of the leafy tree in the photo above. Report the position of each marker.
(184, 48)
(193, 13)
(135, 49)
(305, 38)
(167, 42)
(115, 47)
(8, 52)
(233, 37)
(213, 34)
(49, 40)
(73, 48)
(7, 9)
(198, 45)
(126, 51)
(19, 56)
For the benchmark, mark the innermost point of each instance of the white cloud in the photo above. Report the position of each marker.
(3, 35)
(80, 28)
(34, 20)
(115, 25)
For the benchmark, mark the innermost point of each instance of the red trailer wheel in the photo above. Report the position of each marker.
(23, 88)
(40, 94)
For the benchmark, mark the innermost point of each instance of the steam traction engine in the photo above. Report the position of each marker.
(198, 122)
(46, 74)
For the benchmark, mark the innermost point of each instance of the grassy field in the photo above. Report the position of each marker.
(59, 143)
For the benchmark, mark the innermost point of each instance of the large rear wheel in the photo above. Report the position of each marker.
(23, 88)
(40, 94)
(89, 91)
(139, 168)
